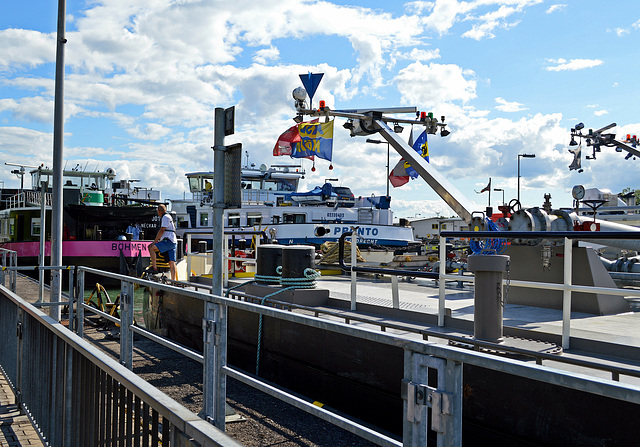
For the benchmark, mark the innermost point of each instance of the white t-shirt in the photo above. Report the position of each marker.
(169, 228)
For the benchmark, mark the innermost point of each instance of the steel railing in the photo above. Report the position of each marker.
(448, 360)
(9, 259)
(77, 396)
(567, 288)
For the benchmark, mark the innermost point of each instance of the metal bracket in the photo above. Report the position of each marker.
(208, 330)
(420, 396)
(19, 330)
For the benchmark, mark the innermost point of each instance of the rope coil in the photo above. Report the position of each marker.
(489, 246)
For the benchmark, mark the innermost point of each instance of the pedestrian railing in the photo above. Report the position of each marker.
(421, 359)
(77, 396)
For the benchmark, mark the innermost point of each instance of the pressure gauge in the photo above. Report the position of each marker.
(578, 192)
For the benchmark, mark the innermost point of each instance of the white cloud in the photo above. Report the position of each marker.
(25, 48)
(555, 8)
(636, 25)
(266, 54)
(573, 64)
(434, 84)
(506, 106)
(491, 21)
(619, 31)
(600, 112)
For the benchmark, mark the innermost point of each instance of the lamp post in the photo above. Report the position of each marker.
(369, 140)
(525, 156)
(500, 189)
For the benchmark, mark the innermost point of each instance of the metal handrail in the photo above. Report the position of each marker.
(563, 378)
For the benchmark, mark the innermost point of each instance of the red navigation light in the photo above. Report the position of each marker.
(628, 136)
(322, 105)
(423, 116)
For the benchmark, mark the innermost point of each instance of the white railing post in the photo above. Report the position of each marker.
(188, 250)
(566, 293)
(395, 297)
(354, 260)
(442, 270)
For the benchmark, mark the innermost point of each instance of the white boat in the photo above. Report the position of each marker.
(271, 203)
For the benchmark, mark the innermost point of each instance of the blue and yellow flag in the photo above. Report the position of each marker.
(315, 139)
(422, 147)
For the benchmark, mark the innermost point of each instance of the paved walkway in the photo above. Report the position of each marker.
(15, 429)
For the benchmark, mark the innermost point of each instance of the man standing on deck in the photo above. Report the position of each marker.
(165, 242)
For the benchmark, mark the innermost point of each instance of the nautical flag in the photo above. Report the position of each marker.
(315, 139)
(420, 146)
(285, 140)
(284, 145)
(577, 159)
(486, 188)
(403, 171)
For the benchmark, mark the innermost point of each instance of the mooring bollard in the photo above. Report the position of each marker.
(488, 295)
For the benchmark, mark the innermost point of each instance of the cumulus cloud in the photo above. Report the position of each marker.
(434, 84)
(266, 55)
(573, 64)
(600, 112)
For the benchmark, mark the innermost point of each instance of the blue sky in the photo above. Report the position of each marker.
(511, 76)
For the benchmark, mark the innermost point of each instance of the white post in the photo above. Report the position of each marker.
(394, 292)
(188, 256)
(442, 270)
(566, 294)
(354, 260)
(225, 260)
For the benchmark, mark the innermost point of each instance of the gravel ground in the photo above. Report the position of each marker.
(268, 421)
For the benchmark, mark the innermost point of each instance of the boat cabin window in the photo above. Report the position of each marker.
(434, 226)
(294, 218)
(234, 220)
(251, 184)
(275, 219)
(254, 219)
(271, 185)
(35, 227)
(204, 219)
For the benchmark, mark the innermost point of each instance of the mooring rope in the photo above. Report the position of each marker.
(308, 282)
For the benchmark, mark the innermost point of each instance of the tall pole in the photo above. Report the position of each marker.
(518, 178)
(58, 155)
(215, 315)
(525, 156)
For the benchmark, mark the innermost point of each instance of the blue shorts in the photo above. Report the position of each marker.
(168, 247)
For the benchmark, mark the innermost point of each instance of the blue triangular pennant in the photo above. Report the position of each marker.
(311, 81)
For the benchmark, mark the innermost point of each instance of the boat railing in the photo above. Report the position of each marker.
(28, 198)
(76, 395)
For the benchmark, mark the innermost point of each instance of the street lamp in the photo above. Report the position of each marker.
(525, 156)
(369, 140)
(500, 189)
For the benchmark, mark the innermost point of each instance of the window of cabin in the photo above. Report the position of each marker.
(204, 219)
(434, 226)
(254, 219)
(234, 220)
(35, 227)
(294, 218)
